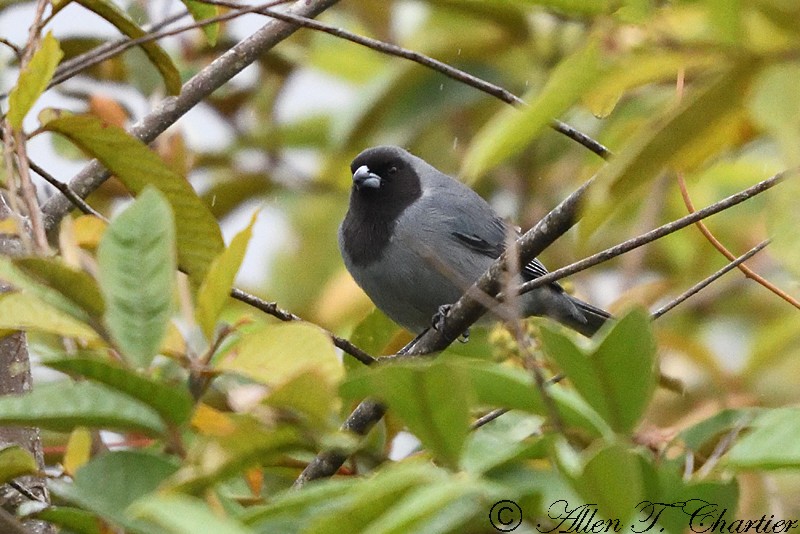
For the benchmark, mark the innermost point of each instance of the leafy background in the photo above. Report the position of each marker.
(216, 407)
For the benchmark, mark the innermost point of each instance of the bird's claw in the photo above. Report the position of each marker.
(437, 323)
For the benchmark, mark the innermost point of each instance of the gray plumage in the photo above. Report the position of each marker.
(415, 239)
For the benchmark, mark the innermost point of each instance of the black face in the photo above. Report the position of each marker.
(385, 183)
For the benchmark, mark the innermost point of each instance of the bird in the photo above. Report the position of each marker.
(414, 239)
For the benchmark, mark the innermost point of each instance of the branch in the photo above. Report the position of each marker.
(657, 233)
(272, 309)
(717, 244)
(705, 283)
(77, 201)
(169, 110)
(426, 61)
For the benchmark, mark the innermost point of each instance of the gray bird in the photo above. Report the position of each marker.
(415, 239)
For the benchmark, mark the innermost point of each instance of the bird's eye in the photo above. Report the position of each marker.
(392, 170)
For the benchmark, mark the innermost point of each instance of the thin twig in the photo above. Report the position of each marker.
(717, 244)
(28, 190)
(70, 67)
(273, 309)
(488, 418)
(66, 191)
(439, 66)
(706, 282)
(170, 109)
(110, 50)
(657, 233)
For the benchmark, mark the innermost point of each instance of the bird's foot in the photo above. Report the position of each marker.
(439, 318)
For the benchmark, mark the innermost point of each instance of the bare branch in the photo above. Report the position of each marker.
(272, 309)
(169, 110)
(708, 281)
(717, 244)
(657, 233)
(66, 191)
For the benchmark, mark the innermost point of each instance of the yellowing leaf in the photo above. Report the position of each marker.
(212, 422)
(709, 120)
(198, 235)
(307, 394)
(508, 132)
(275, 354)
(88, 230)
(22, 311)
(16, 461)
(79, 449)
(33, 80)
(77, 286)
(216, 287)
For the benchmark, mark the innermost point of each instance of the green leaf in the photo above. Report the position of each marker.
(213, 460)
(201, 11)
(174, 404)
(508, 132)
(305, 394)
(275, 354)
(181, 514)
(157, 56)
(71, 519)
(137, 271)
(699, 435)
(198, 236)
(505, 387)
(444, 507)
(772, 444)
(23, 311)
(77, 286)
(111, 482)
(505, 441)
(291, 508)
(438, 410)
(618, 378)
(63, 405)
(33, 80)
(706, 123)
(614, 480)
(16, 461)
(215, 290)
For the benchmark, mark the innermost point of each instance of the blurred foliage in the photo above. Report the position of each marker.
(218, 407)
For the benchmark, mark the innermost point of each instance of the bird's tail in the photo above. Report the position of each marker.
(593, 318)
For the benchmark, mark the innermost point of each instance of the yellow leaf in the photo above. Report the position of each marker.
(22, 311)
(88, 230)
(275, 354)
(216, 287)
(33, 80)
(79, 450)
(212, 422)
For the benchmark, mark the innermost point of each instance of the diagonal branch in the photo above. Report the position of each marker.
(657, 233)
(702, 284)
(169, 110)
